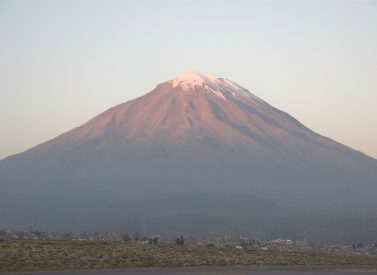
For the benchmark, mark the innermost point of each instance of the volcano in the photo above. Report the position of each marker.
(194, 148)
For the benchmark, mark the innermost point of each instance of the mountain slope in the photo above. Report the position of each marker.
(194, 134)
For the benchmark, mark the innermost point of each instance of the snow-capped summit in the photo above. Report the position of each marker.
(192, 80)
(221, 87)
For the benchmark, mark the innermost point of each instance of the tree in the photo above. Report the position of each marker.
(180, 240)
(126, 238)
(136, 237)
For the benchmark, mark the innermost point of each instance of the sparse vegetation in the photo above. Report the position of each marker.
(38, 255)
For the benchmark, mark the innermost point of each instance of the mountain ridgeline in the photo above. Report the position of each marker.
(197, 150)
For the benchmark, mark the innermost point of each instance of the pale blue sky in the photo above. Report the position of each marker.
(63, 62)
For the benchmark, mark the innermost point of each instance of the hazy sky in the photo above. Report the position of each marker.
(63, 62)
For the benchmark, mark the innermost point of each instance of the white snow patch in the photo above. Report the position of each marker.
(218, 93)
(240, 90)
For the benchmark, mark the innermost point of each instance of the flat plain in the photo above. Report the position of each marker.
(217, 271)
(38, 255)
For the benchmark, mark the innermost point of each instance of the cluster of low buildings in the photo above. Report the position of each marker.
(239, 242)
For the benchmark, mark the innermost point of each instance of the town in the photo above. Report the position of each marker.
(221, 241)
